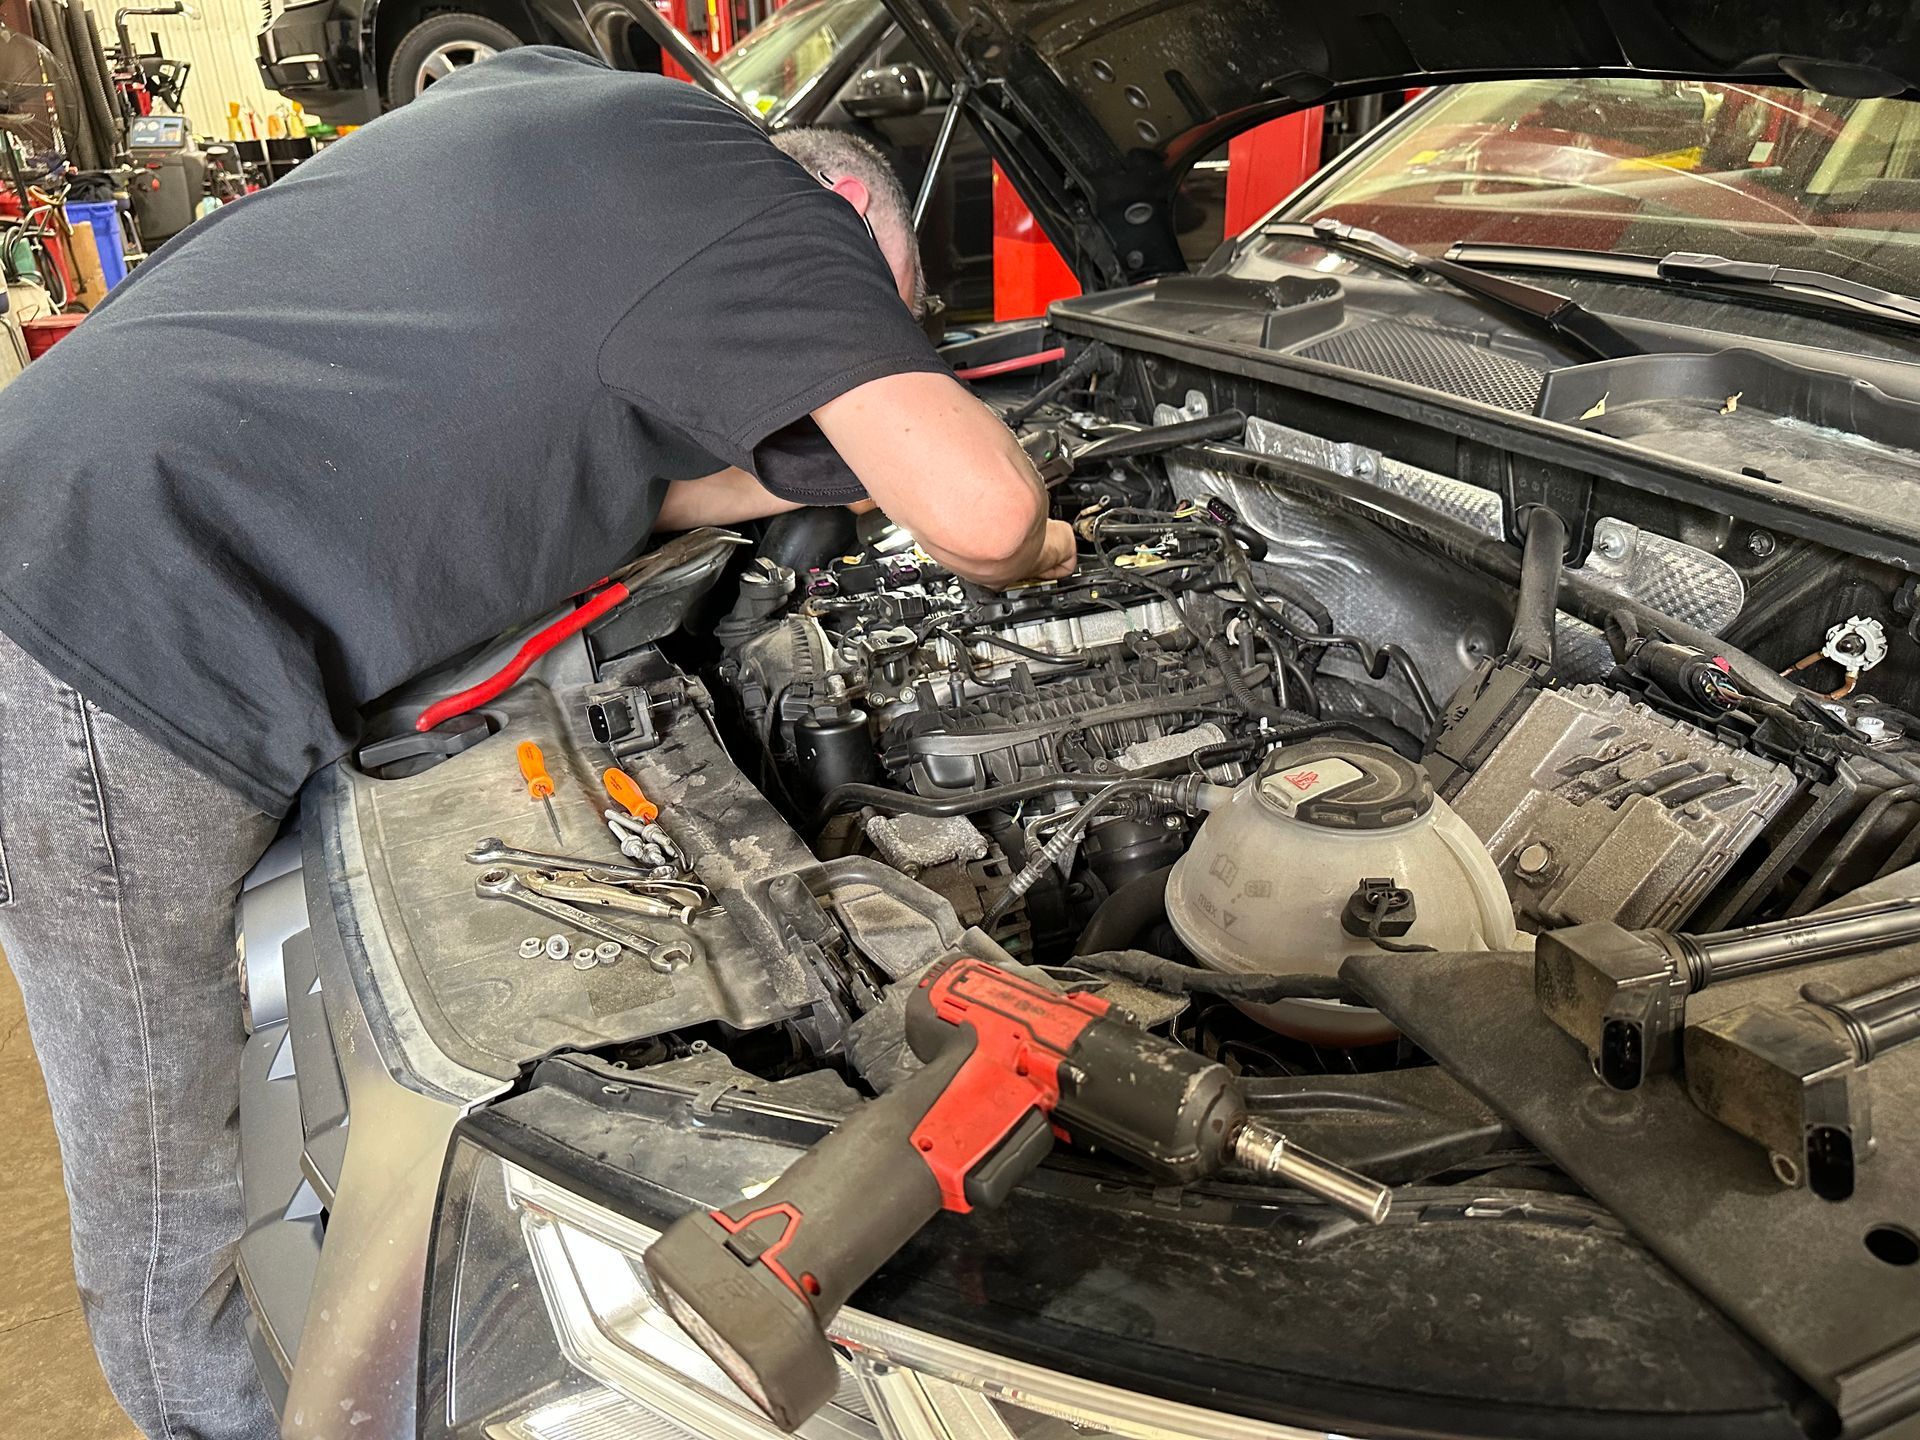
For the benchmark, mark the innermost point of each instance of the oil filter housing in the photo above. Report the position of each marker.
(1284, 878)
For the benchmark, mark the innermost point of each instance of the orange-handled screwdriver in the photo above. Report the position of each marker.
(627, 795)
(533, 769)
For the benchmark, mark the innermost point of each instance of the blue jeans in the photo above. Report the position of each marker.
(119, 870)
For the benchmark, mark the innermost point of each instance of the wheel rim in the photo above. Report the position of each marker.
(443, 60)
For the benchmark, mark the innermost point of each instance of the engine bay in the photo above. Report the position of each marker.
(1041, 757)
(1314, 768)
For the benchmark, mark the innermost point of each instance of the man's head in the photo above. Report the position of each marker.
(859, 174)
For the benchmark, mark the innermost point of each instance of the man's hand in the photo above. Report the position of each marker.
(1059, 552)
(943, 467)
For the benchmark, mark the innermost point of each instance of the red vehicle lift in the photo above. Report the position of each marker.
(1264, 166)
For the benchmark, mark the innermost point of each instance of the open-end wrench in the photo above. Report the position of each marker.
(664, 956)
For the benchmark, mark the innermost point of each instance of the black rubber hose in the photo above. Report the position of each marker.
(67, 94)
(1228, 665)
(1540, 566)
(94, 83)
(1127, 914)
(1156, 438)
(1078, 368)
(855, 795)
(109, 92)
(50, 17)
(1000, 642)
(1170, 975)
(1429, 530)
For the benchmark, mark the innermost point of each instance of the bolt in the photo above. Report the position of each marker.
(1610, 544)
(1533, 859)
(1761, 544)
(1872, 727)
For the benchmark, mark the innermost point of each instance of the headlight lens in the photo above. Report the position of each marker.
(628, 1372)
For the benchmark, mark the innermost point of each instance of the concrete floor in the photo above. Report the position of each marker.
(49, 1382)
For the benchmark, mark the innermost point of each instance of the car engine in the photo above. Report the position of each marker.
(1253, 735)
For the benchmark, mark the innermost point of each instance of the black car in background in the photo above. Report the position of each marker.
(834, 62)
(347, 61)
(843, 63)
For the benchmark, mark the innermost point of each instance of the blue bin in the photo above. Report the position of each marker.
(105, 219)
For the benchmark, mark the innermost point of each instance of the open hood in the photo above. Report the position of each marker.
(1096, 107)
(677, 47)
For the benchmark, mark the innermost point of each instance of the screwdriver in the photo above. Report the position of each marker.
(533, 769)
(628, 796)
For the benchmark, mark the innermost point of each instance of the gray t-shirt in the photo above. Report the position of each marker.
(427, 386)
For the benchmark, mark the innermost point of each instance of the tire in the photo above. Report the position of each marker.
(444, 43)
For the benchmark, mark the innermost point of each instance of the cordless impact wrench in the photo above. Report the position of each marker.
(1009, 1066)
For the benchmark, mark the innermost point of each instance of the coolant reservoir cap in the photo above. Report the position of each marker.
(1335, 784)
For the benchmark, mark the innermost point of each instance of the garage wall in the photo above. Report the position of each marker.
(219, 41)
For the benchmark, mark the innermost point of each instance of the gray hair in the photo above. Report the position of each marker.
(822, 151)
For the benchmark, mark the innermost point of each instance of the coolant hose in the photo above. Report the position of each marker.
(1127, 914)
(1540, 565)
(1064, 841)
(1170, 975)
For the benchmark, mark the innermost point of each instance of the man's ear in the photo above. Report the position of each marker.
(854, 192)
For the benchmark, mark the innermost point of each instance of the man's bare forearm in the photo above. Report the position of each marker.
(943, 467)
(722, 498)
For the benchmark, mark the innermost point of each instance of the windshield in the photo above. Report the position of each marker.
(1647, 167)
(776, 61)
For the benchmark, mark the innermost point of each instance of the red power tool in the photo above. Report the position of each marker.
(1009, 1065)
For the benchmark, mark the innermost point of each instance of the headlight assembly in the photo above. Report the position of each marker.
(551, 1331)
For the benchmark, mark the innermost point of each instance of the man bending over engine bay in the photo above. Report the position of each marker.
(449, 372)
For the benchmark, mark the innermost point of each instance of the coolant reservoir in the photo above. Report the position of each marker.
(1265, 886)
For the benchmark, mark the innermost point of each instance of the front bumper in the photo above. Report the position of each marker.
(311, 53)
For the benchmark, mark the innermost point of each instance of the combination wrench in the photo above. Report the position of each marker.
(664, 956)
(675, 886)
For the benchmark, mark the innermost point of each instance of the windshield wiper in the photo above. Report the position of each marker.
(1559, 315)
(1815, 290)
(1718, 272)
